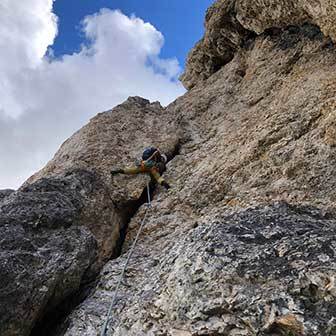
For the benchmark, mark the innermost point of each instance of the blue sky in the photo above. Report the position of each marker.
(180, 21)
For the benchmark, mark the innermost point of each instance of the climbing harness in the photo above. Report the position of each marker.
(108, 318)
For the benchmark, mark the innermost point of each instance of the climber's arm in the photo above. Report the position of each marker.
(129, 171)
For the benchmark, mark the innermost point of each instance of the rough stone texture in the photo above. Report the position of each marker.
(66, 221)
(264, 270)
(44, 254)
(90, 205)
(5, 193)
(114, 139)
(263, 127)
(259, 130)
(244, 242)
(230, 23)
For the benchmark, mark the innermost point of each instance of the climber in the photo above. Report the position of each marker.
(153, 163)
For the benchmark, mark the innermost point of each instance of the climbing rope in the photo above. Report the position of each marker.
(108, 318)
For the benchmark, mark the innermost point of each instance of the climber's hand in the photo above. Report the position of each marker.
(117, 171)
(165, 184)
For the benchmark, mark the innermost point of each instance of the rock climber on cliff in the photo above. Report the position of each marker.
(153, 163)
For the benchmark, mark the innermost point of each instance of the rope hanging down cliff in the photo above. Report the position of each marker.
(108, 318)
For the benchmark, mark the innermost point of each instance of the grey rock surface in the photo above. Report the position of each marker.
(230, 24)
(244, 241)
(66, 221)
(45, 253)
(115, 139)
(261, 129)
(266, 270)
(5, 193)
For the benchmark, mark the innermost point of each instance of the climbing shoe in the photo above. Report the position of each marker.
(165, 184)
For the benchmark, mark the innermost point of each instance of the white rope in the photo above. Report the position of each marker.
(108, 319)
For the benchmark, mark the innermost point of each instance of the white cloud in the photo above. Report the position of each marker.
(44, 100)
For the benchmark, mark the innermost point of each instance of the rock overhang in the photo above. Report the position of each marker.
(229, 23)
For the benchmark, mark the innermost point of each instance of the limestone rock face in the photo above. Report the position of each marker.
(244, 241)
(110, 140)
(267, 270)
(218, 256)
(4, 193)
(114, 139)
(66, 221)
(45, 256)
(230, 24)
(262, 127)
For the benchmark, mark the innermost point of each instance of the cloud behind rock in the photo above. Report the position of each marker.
(44, 99)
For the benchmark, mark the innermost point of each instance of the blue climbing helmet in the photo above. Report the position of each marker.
(149, 152)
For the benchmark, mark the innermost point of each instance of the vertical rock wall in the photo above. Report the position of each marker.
(243, 243)
(58, 230)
